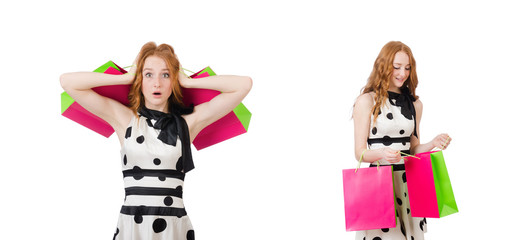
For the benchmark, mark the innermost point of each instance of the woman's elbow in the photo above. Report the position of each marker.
(248, 83)
(64, 80)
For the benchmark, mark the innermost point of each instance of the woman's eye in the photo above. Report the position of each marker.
(148, 75)
(165, 75)
(397, 68)
(407, 69)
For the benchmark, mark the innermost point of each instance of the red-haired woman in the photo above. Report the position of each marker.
(387, 118)
(155, 133)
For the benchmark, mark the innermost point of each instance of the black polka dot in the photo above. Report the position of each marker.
(385, 229)
(137, 173)
(403, 230)
(157, 161)
(374, 131)
(404, 177)
(425, 220)
(401, 132)
(190, 235)
(140, 139)
(162, 178)
(421, 225)
(179, 164)
(387, 141)
(408, 211)
(128, 132)
(390, 116)
(138, 218)
(405, 194)
(159, 225)
(168, 201)
(363, 238)
(412, 238)
(399, 201)
(125, 159)
(379, 113)
(179, 188)
(116, 234)
(376, 238)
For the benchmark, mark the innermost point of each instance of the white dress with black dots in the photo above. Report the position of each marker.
(153, 207)
(393, 129)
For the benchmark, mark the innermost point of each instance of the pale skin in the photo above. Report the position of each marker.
(362, 120)
(156, 88)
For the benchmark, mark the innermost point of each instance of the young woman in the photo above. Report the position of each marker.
(387, 119)
(155, 133)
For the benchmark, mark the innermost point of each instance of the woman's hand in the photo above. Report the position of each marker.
(129, 78)
(390, 155)
(441, 141)
(183, 79)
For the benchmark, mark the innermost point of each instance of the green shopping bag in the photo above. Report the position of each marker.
(429, 187)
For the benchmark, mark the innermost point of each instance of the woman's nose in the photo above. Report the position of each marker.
(402, 73)
(157, 81)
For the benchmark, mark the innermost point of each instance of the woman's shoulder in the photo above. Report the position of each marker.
(363, 104)
(365, 99)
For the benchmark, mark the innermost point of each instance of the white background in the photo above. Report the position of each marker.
(281, 180)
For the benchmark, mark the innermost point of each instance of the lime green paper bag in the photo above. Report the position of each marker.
(429, 187)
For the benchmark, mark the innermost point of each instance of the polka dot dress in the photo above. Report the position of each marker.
(153, 177)
(393, 129)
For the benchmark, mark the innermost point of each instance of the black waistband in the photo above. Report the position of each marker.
(152, 191)
(157, 211)
(387, 141)
(137, 173)
(396, 167)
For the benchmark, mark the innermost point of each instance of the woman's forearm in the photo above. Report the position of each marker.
(372, 156)
(422, 148)
(88, 80)
(222, 83)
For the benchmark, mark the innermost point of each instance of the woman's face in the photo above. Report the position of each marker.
(156, 84)
(401, 71)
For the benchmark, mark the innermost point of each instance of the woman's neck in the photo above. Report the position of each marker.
(394, 89)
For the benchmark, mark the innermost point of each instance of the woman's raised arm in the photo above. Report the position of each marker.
(79, 86)
(233, 90)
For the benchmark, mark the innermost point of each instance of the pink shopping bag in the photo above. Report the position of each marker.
(72, 110)
(369, 198)
(233, 124)
(429, 188)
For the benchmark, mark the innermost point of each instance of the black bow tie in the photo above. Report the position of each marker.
(405, 101)
(171, 126)
(165, 122)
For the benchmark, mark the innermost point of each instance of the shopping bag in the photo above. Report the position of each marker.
(429, 188)
(72, 110)
(233, 124)
(369, 198)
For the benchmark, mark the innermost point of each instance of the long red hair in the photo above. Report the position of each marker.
(379, 80)
(165, 52)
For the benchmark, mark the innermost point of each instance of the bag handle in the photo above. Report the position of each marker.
(360, 161)
(408, 155)
(444, 145)
(184, 69)
(377, 162)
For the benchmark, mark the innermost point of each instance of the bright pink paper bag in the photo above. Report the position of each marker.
(429, 188)
(233, 124)
(72, 110)
(369, 198)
